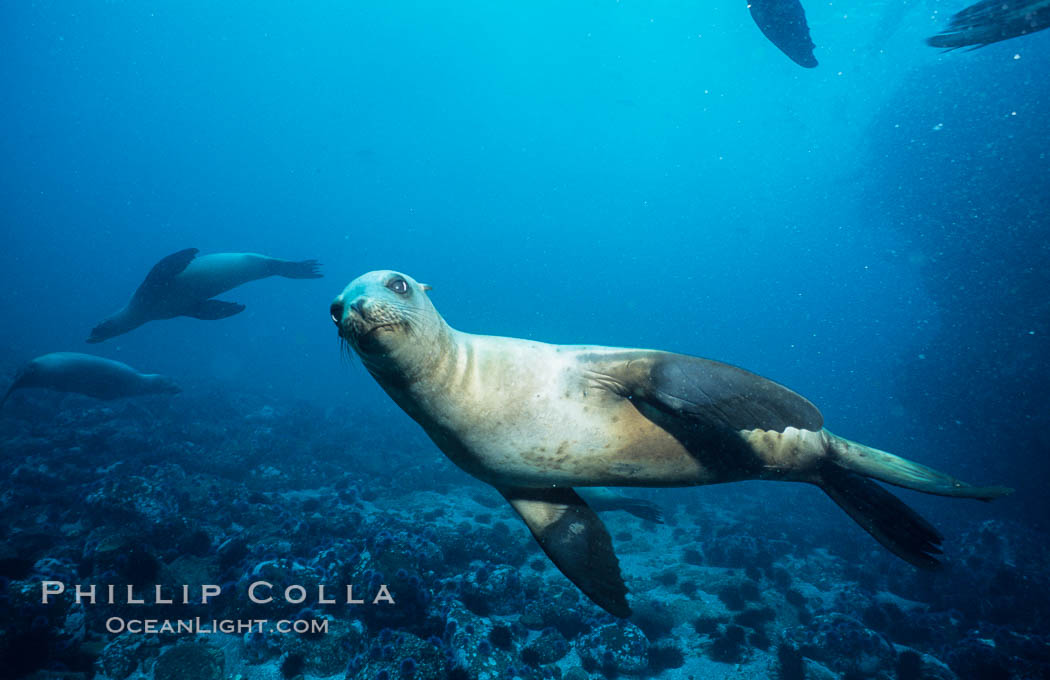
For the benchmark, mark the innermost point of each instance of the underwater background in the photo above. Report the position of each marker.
(872, 233)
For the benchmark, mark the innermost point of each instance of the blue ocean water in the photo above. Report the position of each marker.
(872, 233)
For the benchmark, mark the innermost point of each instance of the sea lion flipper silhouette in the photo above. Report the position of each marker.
(604, 499)
(211, 310)
(991, 21)
(164, 271)
(783, 22)
(576, 540)
(901, 530)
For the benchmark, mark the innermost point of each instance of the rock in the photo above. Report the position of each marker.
(615, 648)
(845, 645)
(189, 661)
(132, 498)
(490, 591)
(399, 656)
(549, 647)
(330, 653)
(124, 654)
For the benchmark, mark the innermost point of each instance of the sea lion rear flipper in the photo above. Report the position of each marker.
(709, 393)
(784, 23)
(576, 541)
(306, 269)
(210, 310)
(887, 518)
(845, 478)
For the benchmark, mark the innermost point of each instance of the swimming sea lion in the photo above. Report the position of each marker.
(90, 375)
(183, 284)
(535, 420)
(990, 21)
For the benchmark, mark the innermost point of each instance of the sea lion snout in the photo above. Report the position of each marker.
(377, 300)
(336, 310)
(360, 321)
(352, 317)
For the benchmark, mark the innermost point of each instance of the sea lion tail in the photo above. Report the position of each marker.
(847, 479)
(886, 467)
(306, 269)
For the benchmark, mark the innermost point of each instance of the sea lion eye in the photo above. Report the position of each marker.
(398, 285)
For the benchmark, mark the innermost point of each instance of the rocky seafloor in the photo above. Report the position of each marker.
(231, 490)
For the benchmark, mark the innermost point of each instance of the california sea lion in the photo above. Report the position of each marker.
(90, 375)
(535, 420)
(183, 284)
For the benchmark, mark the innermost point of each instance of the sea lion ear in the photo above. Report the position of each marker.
(426, 286)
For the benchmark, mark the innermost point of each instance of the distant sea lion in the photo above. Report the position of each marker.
(90, 375)
(535, 420)
(990, 21)
(602, 499)
(183, 284)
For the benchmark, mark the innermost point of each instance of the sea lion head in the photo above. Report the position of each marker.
(387, 318)
(161, 384)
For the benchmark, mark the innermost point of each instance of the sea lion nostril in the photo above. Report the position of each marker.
(336, 311)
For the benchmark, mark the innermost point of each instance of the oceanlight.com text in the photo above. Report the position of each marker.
(197, 625)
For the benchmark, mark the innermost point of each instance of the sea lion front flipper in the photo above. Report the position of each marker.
(161, 274)
(210, 310)
(784, 23)
(709, 393)
(168, 268)
(576, 541)
(15, 384)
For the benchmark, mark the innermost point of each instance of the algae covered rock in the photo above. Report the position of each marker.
(548, 647)
(123, 654)
(615, 648)
(189, 661)
(845, 645)
(399, 655)
(330, 653)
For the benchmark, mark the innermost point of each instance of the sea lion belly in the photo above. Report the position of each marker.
(523, 413)
(210, 275)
